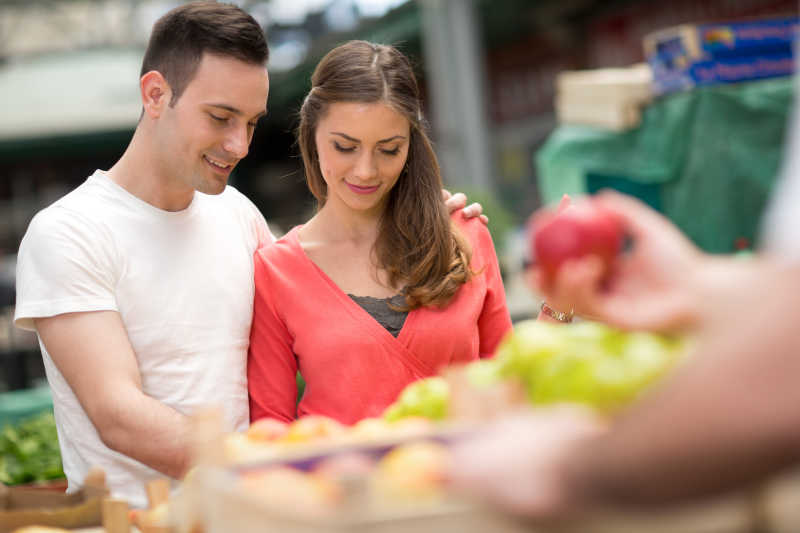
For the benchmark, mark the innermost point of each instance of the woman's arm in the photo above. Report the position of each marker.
(494, 321)
(271, 363)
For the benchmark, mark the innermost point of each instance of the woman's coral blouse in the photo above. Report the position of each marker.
(352, 366)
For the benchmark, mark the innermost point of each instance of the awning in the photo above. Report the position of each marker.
(68, 94)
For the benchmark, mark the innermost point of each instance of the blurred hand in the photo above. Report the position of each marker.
(652, 286)
(564, 203)
(457, 201)
(534, 278)
(520, 463)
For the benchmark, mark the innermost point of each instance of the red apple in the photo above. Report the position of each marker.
(583, 228)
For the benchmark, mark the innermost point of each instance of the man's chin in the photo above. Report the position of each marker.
(212, 187)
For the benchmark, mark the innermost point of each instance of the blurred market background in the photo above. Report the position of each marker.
(514, 126)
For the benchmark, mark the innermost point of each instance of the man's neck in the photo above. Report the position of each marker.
(143, 175)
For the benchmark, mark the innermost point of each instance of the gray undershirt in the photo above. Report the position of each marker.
(379, 309)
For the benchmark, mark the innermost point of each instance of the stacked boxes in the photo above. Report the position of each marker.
(607, 98)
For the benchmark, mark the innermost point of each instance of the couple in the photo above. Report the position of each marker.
(140, 283)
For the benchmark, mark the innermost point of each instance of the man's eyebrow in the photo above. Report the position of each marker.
(352, 139)
(235, 111)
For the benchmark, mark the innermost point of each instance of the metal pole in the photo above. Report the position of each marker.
(455, 72)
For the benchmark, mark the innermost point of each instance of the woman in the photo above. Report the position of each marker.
(380, 287)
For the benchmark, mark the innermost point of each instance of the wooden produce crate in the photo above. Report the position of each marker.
(229, 509)
(25, 506)
(220, 498)
(226, 506)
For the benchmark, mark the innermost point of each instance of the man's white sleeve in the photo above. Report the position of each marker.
(65, 265)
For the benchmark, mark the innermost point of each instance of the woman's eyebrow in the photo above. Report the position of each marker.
(353, 139)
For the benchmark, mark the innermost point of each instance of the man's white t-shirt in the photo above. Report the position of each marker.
(182, 283)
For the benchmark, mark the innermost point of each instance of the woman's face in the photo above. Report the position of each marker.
(362, 149)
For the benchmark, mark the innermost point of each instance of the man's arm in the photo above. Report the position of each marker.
(94, 355)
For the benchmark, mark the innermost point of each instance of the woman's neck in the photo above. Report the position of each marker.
(336, 223)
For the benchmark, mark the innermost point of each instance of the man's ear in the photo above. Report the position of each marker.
(156, 93)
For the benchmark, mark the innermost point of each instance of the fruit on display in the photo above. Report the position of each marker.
(482, 373)
(312, 428)
(315, 466)
(240, 448)
(369, 429)
(582, 228)
(290, 489)
(267, 429)
(412, 472)
(426, 398)
(586, 363)
(268, 439)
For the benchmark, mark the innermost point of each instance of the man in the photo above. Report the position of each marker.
(139, 288)
(139, 283)
(727, 418)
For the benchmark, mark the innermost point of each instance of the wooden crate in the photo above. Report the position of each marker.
(24, 506)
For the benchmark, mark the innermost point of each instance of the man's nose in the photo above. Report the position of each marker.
(237, 142)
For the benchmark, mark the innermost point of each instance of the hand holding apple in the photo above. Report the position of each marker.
(574, 231)
(657, 284)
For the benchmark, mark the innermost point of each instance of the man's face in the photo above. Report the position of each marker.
(209, 129)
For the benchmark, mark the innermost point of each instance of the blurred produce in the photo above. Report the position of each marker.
(29, 451)
(586, 363)
(581, 228)
(268, 439)
(413, 473)
(426, 398)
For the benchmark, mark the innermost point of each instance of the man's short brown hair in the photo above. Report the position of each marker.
(181, 37)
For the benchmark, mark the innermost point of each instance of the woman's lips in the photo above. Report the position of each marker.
(362, 190)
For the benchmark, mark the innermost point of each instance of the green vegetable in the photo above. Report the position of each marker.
(29, 451)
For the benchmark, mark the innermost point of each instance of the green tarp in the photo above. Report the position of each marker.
(706, 158)
(21, 404)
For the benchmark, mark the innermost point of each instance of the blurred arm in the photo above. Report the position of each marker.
(729, 417)
(94, 355)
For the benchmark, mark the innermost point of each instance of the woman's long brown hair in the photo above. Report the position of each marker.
(417, 244)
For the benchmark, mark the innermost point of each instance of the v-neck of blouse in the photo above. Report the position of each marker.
(348, 302)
